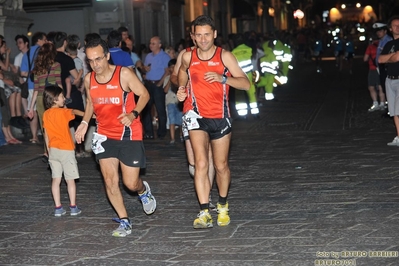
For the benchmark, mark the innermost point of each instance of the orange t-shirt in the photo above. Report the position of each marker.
(109, 101)
(209, 100)
(56, 124)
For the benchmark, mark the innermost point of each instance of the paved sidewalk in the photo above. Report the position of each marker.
(312, 181)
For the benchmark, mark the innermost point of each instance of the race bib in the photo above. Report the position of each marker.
(190, 120)
(96, 143)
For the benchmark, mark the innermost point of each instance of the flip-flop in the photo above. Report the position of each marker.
(17, 141)
(34, 141)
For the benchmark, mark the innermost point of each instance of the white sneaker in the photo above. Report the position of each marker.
(395, 142)
(374, 107)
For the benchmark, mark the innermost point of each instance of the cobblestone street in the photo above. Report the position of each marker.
(313, 182)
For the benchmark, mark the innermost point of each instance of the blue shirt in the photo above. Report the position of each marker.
(135, 58)
(25, 64)
(158, 64)
(120, 57)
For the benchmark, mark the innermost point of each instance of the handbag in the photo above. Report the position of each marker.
(24, 90)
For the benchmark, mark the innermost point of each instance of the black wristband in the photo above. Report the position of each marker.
(135, 113)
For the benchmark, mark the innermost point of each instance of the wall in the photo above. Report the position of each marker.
(71, 22)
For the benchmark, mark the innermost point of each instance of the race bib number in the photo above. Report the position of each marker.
(96, 143)
(190, 120)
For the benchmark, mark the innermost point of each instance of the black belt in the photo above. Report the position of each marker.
(393, 77)
(153, 81)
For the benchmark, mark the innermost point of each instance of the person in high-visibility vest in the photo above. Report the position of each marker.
(269, 69)
(286, 63)
(278, 49)
(243, 53)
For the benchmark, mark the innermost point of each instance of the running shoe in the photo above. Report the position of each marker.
(203, 220)
(124, 229)
(75, 210)
(59, 212)
(148, 200)
(223, 214)
(395, 142)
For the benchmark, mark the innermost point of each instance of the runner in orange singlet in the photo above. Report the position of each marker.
(210, 71)
(118, 139)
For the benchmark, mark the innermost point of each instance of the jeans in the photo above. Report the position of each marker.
(157, 97)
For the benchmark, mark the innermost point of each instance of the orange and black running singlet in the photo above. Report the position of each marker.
(109, 101)
(209, 100)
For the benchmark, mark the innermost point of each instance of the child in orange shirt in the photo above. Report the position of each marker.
(61, 147)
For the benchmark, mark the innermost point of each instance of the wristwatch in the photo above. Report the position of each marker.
(135, 113)
(224, 79)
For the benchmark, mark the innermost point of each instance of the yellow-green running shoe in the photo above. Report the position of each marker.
(223, 214)
(203, 221)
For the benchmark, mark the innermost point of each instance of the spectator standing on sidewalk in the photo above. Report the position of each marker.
(155, 64)
(17, 119)
(46, 71)
(390, 57)
(28, 59)
(61, 147)
(373, 77)
(118, 142)
(212, 70)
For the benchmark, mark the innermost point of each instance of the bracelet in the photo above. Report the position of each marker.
(84, 122)
(181, 87)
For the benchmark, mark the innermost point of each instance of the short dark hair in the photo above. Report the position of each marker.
(50, 94)
(204, 20)
(23, 37)
(122, 29)
(396, 17)
(98, 42)
(114, 38)
(91, 36)
(59, 39)
(37, 36)
(172, 62)
(51, 36)
(71, 48)
(73, 38)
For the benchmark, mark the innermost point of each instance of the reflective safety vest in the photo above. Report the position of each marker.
(268, 62)
(243, 53)
(287, 57)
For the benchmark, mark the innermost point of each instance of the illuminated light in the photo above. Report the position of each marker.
(343, 6)
(288, 2)
(361, 29)
(298, 14)
(205, 3)
(358, 5)
(362, 38)
(271, 11)
(368, 9)
(335, 14)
